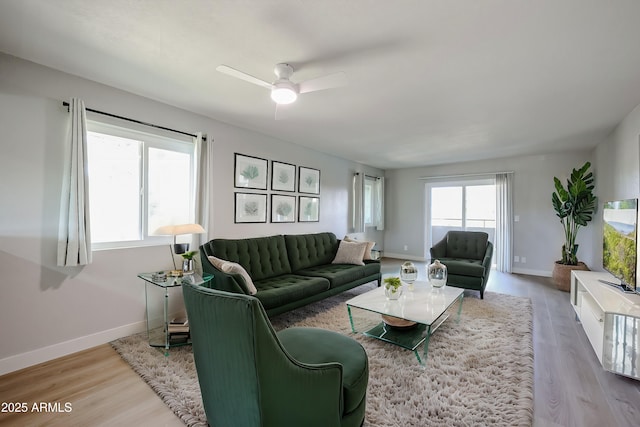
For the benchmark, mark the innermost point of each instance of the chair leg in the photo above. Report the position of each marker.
(481, 294)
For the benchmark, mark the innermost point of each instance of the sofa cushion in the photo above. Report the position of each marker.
(463, 267)
(262, 257)
(308, 250)
(337, 274)
(317, 346)
(350, 253)
(466, 244)
(281, 290)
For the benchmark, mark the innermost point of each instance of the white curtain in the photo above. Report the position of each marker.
(378, 204)
(357, 220)
(504, 222)
(204, 179)
(74, 239)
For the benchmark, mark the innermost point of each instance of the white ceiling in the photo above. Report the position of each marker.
(430, 81)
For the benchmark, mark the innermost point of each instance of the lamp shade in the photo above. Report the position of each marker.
(174, 230)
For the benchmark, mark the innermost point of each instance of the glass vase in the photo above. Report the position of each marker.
(187, 266)
(408, 273)
(437, 274)
(393, 292)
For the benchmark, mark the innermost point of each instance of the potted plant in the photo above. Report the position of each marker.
(574, 205)
(188, 262)
(392, 287)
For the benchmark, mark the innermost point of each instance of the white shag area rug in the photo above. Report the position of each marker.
(479, 370)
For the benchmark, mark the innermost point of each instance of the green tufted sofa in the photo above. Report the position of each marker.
(467, 255)
(289, 271)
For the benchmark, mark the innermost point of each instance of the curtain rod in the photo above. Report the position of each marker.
(468, 175)
(370, 176)
(204, 137)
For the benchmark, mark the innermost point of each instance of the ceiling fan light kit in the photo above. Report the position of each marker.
(283, 90)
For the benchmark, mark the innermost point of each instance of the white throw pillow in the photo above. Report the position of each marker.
(235, 268)
(217, 262)
(367, 252)
(350, 253)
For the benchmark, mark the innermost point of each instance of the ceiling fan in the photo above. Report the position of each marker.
(283, 90)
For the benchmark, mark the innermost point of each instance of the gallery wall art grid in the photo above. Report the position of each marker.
(254, 173)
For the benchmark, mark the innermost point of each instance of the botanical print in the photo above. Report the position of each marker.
(309, 209)
(250, 172)
(309, 180)
(283, 176)
(282, 208)
(250, 207)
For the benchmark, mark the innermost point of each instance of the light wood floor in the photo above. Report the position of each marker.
(571, 388)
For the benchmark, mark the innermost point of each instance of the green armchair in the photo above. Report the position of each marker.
(467, 255)
(251, 376)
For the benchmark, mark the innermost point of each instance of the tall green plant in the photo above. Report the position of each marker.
(574, 205)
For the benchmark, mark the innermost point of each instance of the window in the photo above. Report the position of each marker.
(369, 184)
(373, 202)
(446, 206)
(137, 183)
(469, 205)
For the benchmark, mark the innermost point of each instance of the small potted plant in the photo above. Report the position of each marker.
(392, 287)
(188, 262)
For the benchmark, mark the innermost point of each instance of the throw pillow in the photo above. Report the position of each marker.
(367, 252)
(216, 262)
(235, 268)
(350, 253)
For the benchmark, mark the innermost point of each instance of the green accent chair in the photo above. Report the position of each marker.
(467, 255)
(251, 376)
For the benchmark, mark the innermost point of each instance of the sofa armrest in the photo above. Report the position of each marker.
(221, 280)
(439, 250)
(486, 261)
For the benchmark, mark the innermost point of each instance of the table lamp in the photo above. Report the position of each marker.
(175, 230)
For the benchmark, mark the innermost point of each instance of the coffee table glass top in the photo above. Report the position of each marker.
(424, 305)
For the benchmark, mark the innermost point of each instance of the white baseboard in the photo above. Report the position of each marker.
(403, 256)
(542, 273)
(40, 355)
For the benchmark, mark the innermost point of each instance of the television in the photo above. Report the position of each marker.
(619, 242)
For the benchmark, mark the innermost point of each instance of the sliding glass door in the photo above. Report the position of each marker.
(461, 205)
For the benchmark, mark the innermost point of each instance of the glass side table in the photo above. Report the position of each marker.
(159, 334)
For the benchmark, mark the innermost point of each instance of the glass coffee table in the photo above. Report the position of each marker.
(409, 321)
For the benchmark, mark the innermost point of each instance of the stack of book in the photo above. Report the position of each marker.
(179, 329)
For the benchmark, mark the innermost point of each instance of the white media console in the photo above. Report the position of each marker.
(611, 320)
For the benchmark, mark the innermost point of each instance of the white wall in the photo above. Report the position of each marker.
(538, 236)
(47, 311)
(618, 168)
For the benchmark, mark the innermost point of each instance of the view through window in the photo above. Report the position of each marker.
(462, 206)
(137, 183)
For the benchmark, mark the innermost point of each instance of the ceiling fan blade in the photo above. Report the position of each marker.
(243, 76)
(325, 82)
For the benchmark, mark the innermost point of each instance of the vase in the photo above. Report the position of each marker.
(393, 292)
(187, 266)
(561, 275)
(408, 273)
(437, 274)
